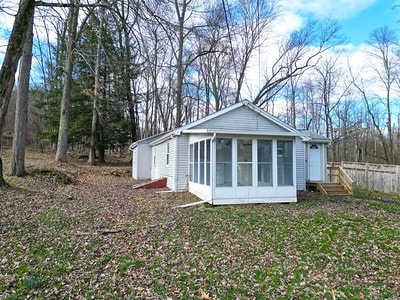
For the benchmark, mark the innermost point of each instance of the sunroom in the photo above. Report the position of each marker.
(239, 169)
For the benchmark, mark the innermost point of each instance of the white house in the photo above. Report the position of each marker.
(237, 155)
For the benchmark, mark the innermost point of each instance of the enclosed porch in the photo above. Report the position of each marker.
(239, 169)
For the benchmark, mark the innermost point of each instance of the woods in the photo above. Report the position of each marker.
(107, 73)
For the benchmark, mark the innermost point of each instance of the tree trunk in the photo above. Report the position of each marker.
(62, 144)
(10, 62)
(92, 151)
(2, 181)
(17, 163)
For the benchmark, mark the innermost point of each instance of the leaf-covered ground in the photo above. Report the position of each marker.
(81, 232)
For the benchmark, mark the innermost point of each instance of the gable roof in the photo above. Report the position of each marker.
(148, 140)
(245, 103)
(190, 127)
(312, 136)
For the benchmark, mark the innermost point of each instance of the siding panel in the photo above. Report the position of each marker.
(300, 165)
(242, 119)
(183, 163)
(143, 162)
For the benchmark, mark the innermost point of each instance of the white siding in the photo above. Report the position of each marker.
(161, 169)
(141, 162)
(134, 163)
(183, 162)
(300, 165)
(242, 119)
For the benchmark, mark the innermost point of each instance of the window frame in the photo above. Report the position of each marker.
(167, 154)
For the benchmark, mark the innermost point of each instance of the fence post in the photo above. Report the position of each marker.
(397, 180)
(366, 175)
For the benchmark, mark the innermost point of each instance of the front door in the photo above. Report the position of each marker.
(315, 167)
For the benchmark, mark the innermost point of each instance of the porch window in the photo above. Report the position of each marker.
(223, 162)
(196, 163)
(208, 161)
(199, 162)
(191, 164)
(264, 162)
(285, 163)
(244, 163)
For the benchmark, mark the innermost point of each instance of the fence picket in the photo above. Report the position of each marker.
(379, 177)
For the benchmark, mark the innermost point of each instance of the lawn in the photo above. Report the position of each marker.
(77, 231)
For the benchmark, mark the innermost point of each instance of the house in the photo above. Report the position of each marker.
(237, 155)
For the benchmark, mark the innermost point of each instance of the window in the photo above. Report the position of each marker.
(191, 162)
(244, 163)
(208, 161)
(196, 163)
(223, 162)
(167, 158)
(285, 163)
(199, 162)
(264, 162)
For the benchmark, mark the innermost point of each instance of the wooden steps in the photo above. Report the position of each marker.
(340, 184)
(329, 188)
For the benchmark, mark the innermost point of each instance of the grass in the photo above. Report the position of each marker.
(54, 246)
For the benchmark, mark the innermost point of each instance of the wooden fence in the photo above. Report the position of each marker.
(378, 177)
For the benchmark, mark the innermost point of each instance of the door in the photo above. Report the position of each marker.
(315, 166)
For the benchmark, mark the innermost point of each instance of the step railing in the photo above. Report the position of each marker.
(338, 174)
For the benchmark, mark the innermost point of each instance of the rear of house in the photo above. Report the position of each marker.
(238, 155)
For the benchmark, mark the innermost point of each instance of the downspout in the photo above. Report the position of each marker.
(212, 161)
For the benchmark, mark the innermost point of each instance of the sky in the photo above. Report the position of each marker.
(357, 17)
(380, 13)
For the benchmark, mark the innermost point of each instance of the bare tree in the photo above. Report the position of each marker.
(299, 53)
(96, 94)
(10, 63)
(62, 144)
(17, 163)
(383, 42)
(251, 21)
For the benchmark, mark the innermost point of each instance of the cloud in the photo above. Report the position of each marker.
(338, 9)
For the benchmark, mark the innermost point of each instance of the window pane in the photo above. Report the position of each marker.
(201, 164)
(196, 163)
(264, 157)
(208, 171)
(224, 150)
(244, 163)
(244, 176)
(191, 171)
(223, 162)
(208, 165)
(167, 158)
(202, 151)
(285, 162)
(196, 152)
(224, 174)
(244, 151)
